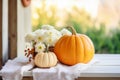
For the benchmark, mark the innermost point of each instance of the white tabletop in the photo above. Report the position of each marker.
(108, 65)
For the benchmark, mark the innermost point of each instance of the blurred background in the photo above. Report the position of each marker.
(98, 19)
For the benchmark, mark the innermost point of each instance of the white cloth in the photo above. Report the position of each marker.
(61, 72)
(13, 69)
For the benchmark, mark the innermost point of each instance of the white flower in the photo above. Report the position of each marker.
(39, 47)
(47, 27)
(52, 32)
(51, 37)
(65, 32)
(50, 41)
(39, 31)
(39, 35)
(30, 37)
(28, 45)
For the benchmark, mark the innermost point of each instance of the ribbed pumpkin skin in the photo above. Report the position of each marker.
(45, 59)
(74, 49)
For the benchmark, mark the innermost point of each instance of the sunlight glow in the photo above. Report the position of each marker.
(91, 6)
(36, 16)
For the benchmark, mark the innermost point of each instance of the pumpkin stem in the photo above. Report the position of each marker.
(73, 30)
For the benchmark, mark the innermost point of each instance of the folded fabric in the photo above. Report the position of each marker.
(60, 72)
(13, 69)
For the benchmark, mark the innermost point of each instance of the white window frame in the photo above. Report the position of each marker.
(24, 26)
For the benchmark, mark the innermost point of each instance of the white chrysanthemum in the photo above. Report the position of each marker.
(39, 35)
(47, 27)
(49, 41)
(52, 32)
(65, 32)
(51, 37)
(57, 33)
(28, 45)
(30, 37)
(39, 31)
(39, 47)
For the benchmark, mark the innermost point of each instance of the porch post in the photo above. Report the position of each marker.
(12, 28)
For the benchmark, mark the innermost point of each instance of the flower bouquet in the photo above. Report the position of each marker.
(41, 42)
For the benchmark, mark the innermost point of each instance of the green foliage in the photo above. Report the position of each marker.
(98, 37)
(116, 41)
(104, 43)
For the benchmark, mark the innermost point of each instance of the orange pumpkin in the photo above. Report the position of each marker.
(75, 48)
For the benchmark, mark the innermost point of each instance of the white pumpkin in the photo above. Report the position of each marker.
(47, 59)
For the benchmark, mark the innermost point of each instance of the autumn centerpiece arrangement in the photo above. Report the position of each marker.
(40, 45)
(47, 46)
